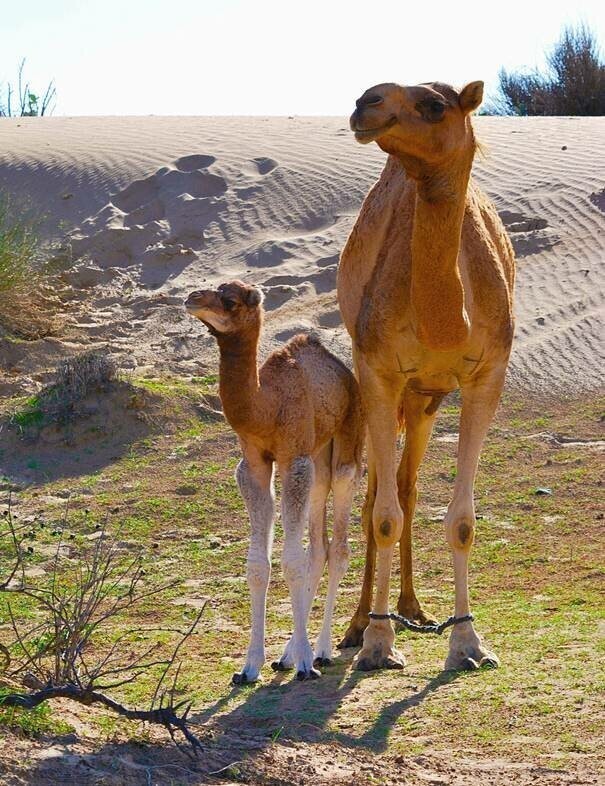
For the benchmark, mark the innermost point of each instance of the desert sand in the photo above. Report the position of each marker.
(154, 207)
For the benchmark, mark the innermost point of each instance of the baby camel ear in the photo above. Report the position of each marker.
(471, 97)
(254, 297)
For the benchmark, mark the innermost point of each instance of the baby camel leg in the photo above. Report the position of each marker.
(255, 481)
(479, 402)
(317, 551)
(297, 481)
(344, 483)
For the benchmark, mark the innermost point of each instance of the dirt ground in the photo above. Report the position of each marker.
(156, 460)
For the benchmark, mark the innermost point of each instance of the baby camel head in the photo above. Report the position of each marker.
(425, 122)
(233, 308)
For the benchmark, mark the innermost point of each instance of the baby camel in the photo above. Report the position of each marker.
(302, 411)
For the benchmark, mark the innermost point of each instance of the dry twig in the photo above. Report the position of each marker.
(59, 655)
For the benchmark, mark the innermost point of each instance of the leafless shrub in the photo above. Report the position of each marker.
(78, 376)
(63, 654)
(574, 83)
(75, 379)
(11, 542)
(24, 102)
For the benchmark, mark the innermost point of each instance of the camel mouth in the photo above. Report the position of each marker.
(369, 134)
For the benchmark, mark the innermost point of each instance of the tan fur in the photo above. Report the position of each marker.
(425, 287)
(302, 411)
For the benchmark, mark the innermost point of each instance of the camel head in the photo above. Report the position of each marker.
(423, 123)
(233, 308)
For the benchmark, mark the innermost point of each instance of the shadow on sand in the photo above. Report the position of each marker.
(305, 710)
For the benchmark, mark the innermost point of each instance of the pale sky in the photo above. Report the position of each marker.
(269, 57)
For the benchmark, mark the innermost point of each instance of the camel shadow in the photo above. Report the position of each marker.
(308, 711)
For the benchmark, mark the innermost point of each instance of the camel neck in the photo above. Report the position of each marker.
(437, 292)
(239, 383)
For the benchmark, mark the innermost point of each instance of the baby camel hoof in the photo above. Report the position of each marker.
(280, 665)
(322, 663)
(240, 678)
(311, 674)
(376, 660)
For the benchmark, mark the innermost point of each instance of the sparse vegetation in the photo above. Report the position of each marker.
(536, 591)
(27, 304)
(19, 247)
(573, 83)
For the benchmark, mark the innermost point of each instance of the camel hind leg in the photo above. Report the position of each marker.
(345, 478)
(419, 420)
(360, 620)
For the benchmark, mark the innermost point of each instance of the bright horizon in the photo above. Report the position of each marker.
(234, 57)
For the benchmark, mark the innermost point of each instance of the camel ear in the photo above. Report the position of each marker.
(254, 297)
(471, 97)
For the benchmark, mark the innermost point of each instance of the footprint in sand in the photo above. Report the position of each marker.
(264, 165)
(193, 162)
(276, 296)
(137, 194)
(530, 235)
(598, 199)
(331, 319)
(268, 254)
(196, 183)
(517, 222)
(140, 193)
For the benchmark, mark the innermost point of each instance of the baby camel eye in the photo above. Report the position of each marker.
(229, 304)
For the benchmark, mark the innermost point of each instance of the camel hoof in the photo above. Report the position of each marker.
(279, 665)
(467, 651)
(322, 662)
(352, 638)
(311, 674)
(240, 678)
(490, 661)
(415, 614)
(376, 661)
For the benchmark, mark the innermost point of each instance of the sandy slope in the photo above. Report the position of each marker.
(160, 205)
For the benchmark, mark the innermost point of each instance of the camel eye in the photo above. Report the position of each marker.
(431, 109)
(229, 304)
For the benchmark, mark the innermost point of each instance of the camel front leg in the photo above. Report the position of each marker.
(360, 620)
(297, 481)
(479, 403)
(381, 403)
(255, 481)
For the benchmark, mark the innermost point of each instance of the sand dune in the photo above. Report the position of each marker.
(157, 206)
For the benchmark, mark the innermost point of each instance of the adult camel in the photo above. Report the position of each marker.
(425, 287)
